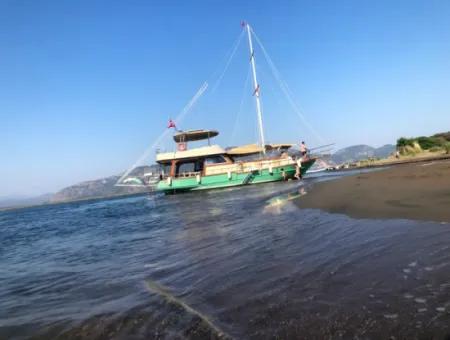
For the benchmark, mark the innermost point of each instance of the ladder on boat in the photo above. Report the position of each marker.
(249, 177)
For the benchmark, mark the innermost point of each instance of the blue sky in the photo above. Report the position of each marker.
(87, 86)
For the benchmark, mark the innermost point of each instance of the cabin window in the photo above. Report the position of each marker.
(165, 169)
(185, 167)
(190, 167)
(214, 160)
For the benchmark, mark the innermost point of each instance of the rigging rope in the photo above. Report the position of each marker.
(285, 88)
(178, 119)
(283, 85)
(227, 64)
(187, 108)
(233, 132)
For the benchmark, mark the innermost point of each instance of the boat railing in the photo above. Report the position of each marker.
(246, 166)
(188, 174)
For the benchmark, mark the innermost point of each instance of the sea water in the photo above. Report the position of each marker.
(233, 263)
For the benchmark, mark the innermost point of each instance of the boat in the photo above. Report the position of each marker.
(212, 167)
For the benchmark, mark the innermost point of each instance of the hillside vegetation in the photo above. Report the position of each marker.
(436, 143)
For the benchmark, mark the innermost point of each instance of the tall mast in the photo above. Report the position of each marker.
(256, 89)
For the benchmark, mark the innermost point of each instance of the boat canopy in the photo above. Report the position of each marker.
(279, 146)
(253, 148)
(244, 150)
(210, 150)
(194, 135)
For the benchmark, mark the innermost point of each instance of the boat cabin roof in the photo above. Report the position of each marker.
(210, 150)
(194, 135)
(253, 148)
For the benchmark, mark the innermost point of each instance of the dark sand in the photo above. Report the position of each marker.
(413, 191)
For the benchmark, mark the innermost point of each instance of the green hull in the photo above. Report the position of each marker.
(224, 181)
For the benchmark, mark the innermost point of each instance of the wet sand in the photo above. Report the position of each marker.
(413, 191)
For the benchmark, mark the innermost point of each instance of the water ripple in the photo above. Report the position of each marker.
(246, 260)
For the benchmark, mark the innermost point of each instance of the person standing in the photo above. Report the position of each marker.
(303, 149)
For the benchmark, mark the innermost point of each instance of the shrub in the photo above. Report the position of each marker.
(447, 147)
(402, 142)
(427, 143)
(443, 135)
(435, 149)
(408, 150)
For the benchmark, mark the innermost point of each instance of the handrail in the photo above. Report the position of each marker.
(188, 174)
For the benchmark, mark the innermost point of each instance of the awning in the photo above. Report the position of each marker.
(194, 135)
(191, 153)
(253, 148)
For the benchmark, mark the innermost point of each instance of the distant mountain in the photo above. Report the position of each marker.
(384, 151)
(359, 152)
(104, 187)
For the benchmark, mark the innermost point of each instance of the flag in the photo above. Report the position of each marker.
(256, 91)
(171, 124)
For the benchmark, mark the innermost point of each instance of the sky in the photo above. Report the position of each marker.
(87, 86)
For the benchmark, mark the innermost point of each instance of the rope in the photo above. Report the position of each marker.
(187, 108)
(178, 119)
(227, 64)
(285, 88)
(241, 105)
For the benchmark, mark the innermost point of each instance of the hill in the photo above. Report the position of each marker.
(104, 187)
(359, 152)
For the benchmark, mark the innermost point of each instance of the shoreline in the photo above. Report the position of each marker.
(387, 162)
(81, 200)
(417, 191)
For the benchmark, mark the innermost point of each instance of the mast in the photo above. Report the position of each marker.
(256, 89)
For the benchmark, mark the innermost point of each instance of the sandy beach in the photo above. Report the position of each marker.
(412, 191)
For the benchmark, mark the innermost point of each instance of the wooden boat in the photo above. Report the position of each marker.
(211, 166)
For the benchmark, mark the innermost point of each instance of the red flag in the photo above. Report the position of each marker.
(256, 91)
(171, 124)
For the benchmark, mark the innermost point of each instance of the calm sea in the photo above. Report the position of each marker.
(239, 263)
